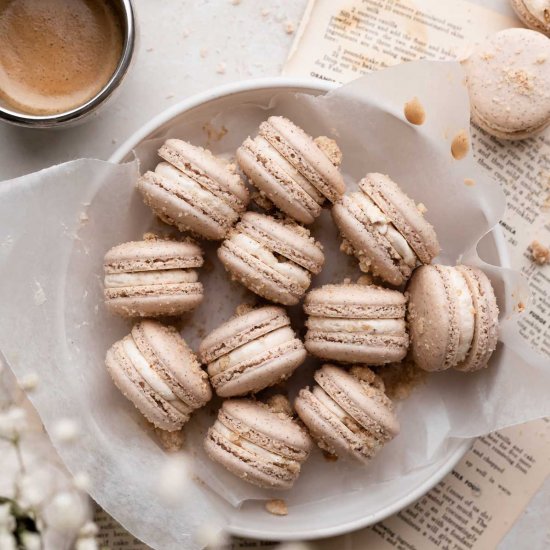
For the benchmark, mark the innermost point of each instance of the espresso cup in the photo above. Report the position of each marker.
(11, 112)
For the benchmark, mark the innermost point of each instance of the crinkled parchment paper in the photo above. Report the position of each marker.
(56, 225)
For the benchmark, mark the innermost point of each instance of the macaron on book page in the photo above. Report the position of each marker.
(272, 312)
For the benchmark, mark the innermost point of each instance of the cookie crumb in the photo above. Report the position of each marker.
(330, 149)
(289, 27)
(280, 404)
(541, 59)
(400, 379)
(520, 307)
(265, 12)
(243, 309)
(203, 52)
(39, 294)
(329, 457)
(469, 182)
(414, 112)
(83, 217)
(540, 254)
(171, 442)
(235, 2)
(277, 507)
(365, 374)
(220, 69)
(421, 207)
(365, 279)
(460, 145)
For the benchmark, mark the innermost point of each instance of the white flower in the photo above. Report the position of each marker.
(212, 536)
(66, 512)
(7, 541)
(173, 479)
(7, 521)
(66, 430)
(86, 544)
(29, 381)
(13, 422)
(31, 541)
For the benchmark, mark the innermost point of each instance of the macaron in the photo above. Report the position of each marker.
(347, 413)
(152, 278)
(271, 257)
(453, 318)
(354, 323)
(508, 80)
(251, 352)
(155, 369)
(262, 445)
(535, 14)
(194, 190)
(290, 168)
(385, 230)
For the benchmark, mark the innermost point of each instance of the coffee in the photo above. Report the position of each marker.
(55, 55)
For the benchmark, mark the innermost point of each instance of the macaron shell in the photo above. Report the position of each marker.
(158, 411)
(277, 185)
(151, 255)
(485, 337)
(175, 208)
(274, 366)
(258, 277)
(403, 213)
(152, 301)
(241, 330)
(301, 151)
(162, 345)
(244, 465)
(508, 80)
(372, 250)
(355, 301)
(356, 348)
(289, 240)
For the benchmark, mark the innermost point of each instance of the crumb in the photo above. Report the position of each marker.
(221, 68)
(262, 201)
(541, 59)
(414, 112)
(277, 507)
(364, 374)
(487, 56)
(171, 442)
(265, 12)
(521, 79)
(39, 294)
(400, 379)
(149, 236)
(346, 281)
(185, 33)
(540, 254)
(421, 207)
(170, 96)
(520, 307)
(243, 309)
(149, 50)
(203, 52)
(460, 145)
(289, 27)
(329, 457)
(280, 404)
(235, 2)
(469, 182)
(365, 279)
(214, 134)
(83, 217)
(330, 149)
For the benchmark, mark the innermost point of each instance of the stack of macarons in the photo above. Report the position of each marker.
(442, 316)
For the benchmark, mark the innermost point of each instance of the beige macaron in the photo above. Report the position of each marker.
(155, 369)
(273, 258)
(260, 443)
(153, 277)
(508, 80)
(353, 323)
(534, 13)
(252, 351)
(294, 171)
(385, 230)
(194, 190)
(348, 414)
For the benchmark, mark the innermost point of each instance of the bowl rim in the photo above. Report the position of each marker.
(302, 85)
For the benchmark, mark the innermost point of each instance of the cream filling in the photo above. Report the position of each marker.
(267, 150)
(144, 369)
(328, 402)
(288, 269)
(385, 227)
(465, 312)
(251, 349)
(372, 326)
(145, 278)
(199, 195)
(256, 450)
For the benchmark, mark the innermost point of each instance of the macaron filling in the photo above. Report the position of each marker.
(374, 326)
(284, 267)
(146, 278)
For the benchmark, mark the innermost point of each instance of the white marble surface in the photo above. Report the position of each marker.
(186, 47)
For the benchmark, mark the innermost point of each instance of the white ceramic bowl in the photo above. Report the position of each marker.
(331, 516)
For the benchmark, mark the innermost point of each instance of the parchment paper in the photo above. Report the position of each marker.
(56, 225)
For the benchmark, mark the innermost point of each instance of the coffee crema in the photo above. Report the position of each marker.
(55, 55)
